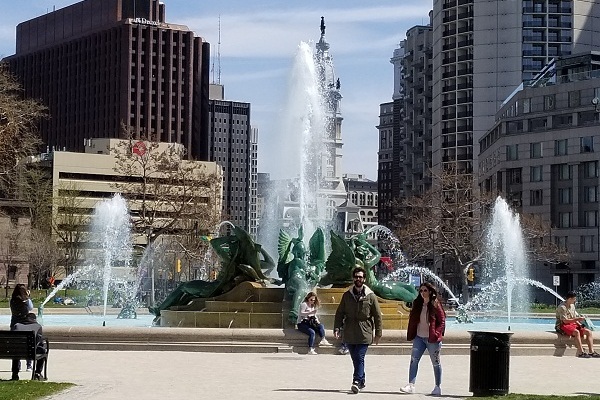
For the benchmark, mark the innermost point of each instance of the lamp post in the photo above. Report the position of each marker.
(152, 272)
(66, 270)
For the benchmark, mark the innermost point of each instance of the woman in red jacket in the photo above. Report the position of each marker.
(426, 326)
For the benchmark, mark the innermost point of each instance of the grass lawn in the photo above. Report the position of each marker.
(514, 396)
(30, 390)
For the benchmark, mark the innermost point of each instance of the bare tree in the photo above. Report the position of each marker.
(44, 256)
(167, 194)
(18, 128)
(448, 222)
(443, 224)
(12, 248)
(70, 224)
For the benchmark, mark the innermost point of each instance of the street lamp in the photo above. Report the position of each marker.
(66, 270)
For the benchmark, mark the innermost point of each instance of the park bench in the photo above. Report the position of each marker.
(22, 345)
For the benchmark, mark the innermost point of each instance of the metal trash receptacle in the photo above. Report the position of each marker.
(490, 363)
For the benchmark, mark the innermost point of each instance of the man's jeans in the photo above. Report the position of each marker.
(357, 353)
(421, 344)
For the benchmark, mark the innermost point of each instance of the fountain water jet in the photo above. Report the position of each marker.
(506, 254)
(111, 229)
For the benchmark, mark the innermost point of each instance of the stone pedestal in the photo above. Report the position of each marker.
(250, 305)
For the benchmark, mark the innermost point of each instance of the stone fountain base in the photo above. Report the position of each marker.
(250, 305)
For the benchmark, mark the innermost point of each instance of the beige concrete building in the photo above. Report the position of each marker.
(542, 155)
(84, 179)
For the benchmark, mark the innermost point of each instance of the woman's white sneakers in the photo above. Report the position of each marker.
(312, 351)
(324, 342)
(408, 389)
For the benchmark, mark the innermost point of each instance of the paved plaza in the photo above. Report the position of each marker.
(198, 375)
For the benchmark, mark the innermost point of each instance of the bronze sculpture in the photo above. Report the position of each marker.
(298, 273)
(357, 251)
(240, 261)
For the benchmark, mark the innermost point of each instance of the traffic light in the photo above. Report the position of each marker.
(178, 265)
(471, 274)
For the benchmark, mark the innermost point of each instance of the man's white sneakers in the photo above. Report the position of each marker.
(437, 391)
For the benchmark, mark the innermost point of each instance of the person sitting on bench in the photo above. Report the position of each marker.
(568, 322)
(23, 320)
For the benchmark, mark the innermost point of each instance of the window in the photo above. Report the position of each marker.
(588, 264)
(590, 194)
(535, 173)
(587, 118)
(587, 243)
(12, 272)
(587, 144)
(590, 169)
(561, 242)
(536, 197)
(564, 172)
(549, 102)
(526, 106)
(564, 220)
(513, 176)
(512, 152)
(562, 120)
(560, 147)
(590, 218)
(535, 150)
(537, 124)
(565, 195)
(574, 98)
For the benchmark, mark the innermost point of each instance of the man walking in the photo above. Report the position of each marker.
(356, 317)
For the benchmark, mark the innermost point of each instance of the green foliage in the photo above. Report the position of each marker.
(588, 304)
(30, 390)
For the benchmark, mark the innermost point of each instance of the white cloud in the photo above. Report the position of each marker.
(276, 33)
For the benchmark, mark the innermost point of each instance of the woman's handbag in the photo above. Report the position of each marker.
(313, 322)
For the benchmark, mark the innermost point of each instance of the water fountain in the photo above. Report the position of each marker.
(109, 267)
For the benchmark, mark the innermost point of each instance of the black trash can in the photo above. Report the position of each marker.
(490, 361)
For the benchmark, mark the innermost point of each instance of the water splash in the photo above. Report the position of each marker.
(111, 230)
(492, 298)
(506, 255)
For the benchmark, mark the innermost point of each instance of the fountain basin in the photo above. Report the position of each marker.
(288, 340)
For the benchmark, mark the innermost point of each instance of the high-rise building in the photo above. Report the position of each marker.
(102, 66)
(404, 158)
(385, 163)
(414, 141)
(483, 50)
(234, 146)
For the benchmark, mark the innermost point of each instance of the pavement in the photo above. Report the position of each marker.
(199, 375)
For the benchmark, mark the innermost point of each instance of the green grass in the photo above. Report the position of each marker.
(514, 396)
(30, 390)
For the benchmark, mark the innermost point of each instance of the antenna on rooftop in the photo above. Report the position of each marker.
(219, 54)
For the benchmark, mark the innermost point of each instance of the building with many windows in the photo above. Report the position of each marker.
(104, 65)
(483, 50)
(542, 155)
(234, 146)
(81, 180)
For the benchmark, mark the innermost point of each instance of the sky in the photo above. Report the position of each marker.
(259, 40)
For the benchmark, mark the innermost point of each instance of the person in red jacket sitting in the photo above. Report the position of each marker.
(426, 327)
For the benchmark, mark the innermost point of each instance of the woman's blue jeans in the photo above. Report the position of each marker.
(357, 353)
(305, 328)
(420, 344)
